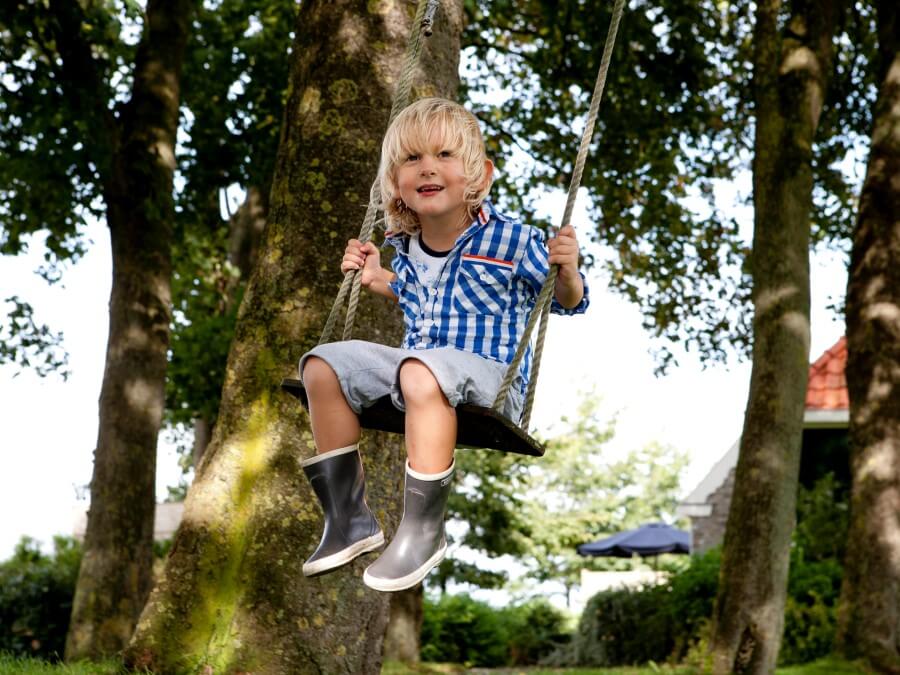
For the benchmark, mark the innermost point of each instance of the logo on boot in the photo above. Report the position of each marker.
(446, 481)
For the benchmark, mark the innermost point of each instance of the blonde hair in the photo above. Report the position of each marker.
(412, 132)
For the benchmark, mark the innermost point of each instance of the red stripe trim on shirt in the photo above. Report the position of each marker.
(486, 259)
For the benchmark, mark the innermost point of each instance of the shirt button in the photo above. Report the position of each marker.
(434, 291)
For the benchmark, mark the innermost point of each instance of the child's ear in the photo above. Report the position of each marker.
(488, 173)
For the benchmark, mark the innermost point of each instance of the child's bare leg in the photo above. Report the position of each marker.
(334, 424)
(420, 542)
(430, 419)
(336, 474)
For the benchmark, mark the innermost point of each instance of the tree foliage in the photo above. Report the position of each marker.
(36, 597)
(576, 494)
(537, 510)
(671, 125)
(487, 515)
(56, 115)
(675, 126)
(28, 345)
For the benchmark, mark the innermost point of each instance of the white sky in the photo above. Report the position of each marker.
(49, 428)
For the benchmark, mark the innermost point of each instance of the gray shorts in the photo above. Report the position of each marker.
(368, 371)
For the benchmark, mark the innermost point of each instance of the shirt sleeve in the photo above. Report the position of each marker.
(396, 265)
(397, 283)
(533, 268)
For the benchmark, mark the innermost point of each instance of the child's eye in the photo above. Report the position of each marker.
(445, 153)
(412, 158)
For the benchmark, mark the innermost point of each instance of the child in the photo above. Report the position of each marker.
(466, 278)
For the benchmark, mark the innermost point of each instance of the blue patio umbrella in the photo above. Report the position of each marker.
(651, 539)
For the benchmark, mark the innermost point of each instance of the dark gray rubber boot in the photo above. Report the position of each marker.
(419, 543)
(350, 528)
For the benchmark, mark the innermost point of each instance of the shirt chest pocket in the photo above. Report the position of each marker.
(483, 286)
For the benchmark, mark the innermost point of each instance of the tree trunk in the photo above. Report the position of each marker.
(245, 229)
(116, 571)
(869, 615)
(403, 639)
(233, 597)
(791, 74)
(245, 232)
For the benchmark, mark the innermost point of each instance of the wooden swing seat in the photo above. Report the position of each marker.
(477, 427)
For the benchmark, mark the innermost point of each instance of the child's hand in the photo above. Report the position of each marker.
(564, 252)
(366, 257)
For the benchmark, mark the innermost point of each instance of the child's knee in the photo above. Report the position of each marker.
(317, 374)
(418, 384)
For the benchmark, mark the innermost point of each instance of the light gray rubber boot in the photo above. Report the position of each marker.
(350, 528)
(419, 543)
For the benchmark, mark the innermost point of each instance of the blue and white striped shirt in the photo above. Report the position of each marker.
(484, 294)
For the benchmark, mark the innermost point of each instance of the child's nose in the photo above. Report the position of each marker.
(426, 166)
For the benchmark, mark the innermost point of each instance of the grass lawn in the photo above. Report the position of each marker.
(826, 666)
(13, 666)
(16, 666)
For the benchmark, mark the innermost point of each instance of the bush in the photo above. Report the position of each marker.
(655, 623)
(623, 627)
(36, 594)
(691, 593)
(668, 622)
(536, 629)
(810, 613)
(459, 629)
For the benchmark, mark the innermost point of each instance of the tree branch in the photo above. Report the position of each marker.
(83, 82)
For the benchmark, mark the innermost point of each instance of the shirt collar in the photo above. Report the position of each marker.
(486, 213)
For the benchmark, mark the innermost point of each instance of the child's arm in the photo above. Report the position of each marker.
(569, 287)
(367, 257)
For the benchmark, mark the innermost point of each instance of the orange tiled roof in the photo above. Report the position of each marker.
(827, 388)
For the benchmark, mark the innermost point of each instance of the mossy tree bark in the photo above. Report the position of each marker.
(232, 597)
(116, 572)
(792, 69)
(869, 615)
(403, 639)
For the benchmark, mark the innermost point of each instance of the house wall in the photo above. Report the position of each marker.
(709, 531)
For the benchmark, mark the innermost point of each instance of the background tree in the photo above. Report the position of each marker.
(869, 617)
(576, 495)
(487, 517)
(89, 130)
(792, 61)
(232, 595)
(116, 569)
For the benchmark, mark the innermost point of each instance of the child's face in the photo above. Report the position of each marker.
(432, 182)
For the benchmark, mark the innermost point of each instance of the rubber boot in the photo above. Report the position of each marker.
(419, 543)
(350, 528)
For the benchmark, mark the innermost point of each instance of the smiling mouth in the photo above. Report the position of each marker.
(429, 189)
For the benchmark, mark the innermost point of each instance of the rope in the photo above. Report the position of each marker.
(542, 305)
(422, 24)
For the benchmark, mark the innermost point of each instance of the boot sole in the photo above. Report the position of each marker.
(341, 558)
(408, 581)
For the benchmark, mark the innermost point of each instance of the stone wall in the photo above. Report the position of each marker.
(709, 531)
